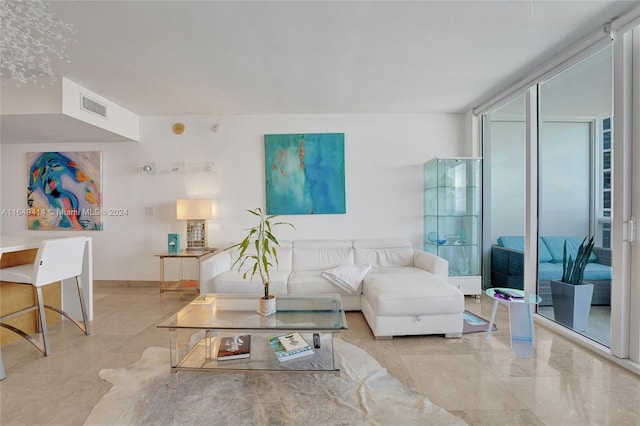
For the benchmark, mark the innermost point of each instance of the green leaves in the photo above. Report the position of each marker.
(258, 248)
(573, 270)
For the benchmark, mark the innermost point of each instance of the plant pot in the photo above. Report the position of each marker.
(572, 304)
(267, 306)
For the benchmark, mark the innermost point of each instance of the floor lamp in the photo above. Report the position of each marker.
(196, 213)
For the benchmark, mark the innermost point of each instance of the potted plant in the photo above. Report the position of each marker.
(258, 253)
(571, 295)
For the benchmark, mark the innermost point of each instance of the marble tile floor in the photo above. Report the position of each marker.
(598, 327)
(478, 380)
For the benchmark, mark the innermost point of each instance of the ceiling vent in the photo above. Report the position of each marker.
(62, 111)
(94, 107)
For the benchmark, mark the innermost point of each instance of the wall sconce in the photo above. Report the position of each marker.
(196, 213)
(147, 168)
(175, 168)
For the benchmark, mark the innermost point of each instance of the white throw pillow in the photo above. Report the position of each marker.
(348, 277)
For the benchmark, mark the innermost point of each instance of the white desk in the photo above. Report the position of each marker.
(70, 302)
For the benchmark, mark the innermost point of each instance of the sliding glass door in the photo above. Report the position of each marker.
(574, 192)
(504, 160)
(561, 160)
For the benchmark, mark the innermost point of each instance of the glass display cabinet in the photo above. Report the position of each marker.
(453, 218)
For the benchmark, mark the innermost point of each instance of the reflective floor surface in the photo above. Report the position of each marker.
(598, 327)
(478, 380)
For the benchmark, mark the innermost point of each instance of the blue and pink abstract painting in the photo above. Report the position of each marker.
(305, 173)
(65, 191)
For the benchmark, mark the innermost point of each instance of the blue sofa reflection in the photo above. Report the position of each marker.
(507, 266)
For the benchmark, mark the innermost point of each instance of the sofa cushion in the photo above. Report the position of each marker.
(311, 282)
(285, 252)
(549, 271)
(284, 257)
(597, 272)
(593, 271)
(383, 253)
(320, 255)
(511, 242)
(410, 291)
(556, 248)
(232, 282)
(517, 243)
(348, 277)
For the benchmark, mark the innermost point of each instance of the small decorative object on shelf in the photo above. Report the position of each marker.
(234, 347)
(173, 244)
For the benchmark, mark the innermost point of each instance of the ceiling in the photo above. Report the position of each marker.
(299, 57)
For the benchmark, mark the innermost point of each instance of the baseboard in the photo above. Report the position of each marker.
(125, 283)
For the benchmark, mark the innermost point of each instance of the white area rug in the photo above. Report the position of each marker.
(364, 394)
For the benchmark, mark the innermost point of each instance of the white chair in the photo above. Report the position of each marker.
(56, 260)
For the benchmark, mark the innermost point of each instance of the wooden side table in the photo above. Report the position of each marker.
(182, 284)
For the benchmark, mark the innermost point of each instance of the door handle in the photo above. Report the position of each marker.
(632, 230)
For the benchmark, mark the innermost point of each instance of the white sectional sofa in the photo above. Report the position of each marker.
(404, 293)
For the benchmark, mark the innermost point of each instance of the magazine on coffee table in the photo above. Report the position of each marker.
(293, 341)
(282, 354)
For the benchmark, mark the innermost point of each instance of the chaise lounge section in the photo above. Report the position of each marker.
(405, 291)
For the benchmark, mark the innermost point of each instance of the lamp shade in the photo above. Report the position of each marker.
(194, 209)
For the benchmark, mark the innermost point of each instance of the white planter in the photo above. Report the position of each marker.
(267, 306)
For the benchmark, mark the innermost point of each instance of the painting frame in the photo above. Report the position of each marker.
(305, 173)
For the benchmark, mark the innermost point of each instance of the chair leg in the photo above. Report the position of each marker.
(84, 325)
(2, 375)
(43, 322)
(83, 307)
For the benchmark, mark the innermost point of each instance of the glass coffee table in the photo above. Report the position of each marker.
(196, 330)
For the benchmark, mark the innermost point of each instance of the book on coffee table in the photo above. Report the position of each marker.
(234, 347)
(283, 354)
(293, 341)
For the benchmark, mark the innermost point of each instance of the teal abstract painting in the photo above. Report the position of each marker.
(305, 173)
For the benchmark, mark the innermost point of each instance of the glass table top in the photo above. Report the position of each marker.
(239, 312)
(518, 296)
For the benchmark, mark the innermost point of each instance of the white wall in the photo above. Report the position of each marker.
(383, 157)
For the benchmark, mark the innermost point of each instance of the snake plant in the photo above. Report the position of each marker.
(573, 270)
